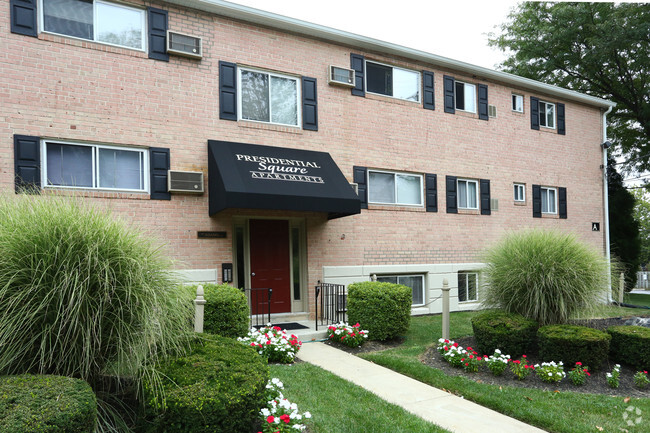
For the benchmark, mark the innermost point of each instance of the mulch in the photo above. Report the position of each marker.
(595, 384)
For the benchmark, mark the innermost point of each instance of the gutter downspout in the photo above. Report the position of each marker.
(606, 208)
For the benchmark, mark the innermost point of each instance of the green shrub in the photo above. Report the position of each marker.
(383, 309)
(218, 387)
(83, 294)
(546, 276)
(46, 404)
(571, 344)
(512, 333)
(226, 310)
(630, 345)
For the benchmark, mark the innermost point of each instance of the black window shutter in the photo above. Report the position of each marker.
(431, 192)
(23, 17)
(428, 100)
(157, 34)
(537, 201)
(483, 102)
(452, 204)
(561, 126)
(309, 104)
(485, 197)
(561, 193)
(534, 113)
(359, 177)
(158, 166)
(27, 163)
(357, 62)
(448, 88)
(227, 91)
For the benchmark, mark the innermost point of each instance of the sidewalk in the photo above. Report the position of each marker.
(438, 407)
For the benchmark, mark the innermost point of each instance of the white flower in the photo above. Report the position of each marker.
(307, 415)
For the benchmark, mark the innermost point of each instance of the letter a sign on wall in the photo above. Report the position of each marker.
(595, 227)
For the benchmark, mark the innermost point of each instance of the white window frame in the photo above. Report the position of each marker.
(521, 189)
(546, 105)
(143, 18)
(395, 173)
(95, 166)
(466, 85)
(517, 97)
(466, 288)
(548, 202)
(398, 276)
(419, 85)
(476, 198)
(270, 74)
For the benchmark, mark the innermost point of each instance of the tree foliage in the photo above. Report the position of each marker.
(625, 241)
(601, 49)
(642, 217)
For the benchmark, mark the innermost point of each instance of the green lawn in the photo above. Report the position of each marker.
(637, 299)
(338, 406)
(564, 412)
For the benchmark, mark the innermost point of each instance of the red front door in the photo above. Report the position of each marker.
(270, 264)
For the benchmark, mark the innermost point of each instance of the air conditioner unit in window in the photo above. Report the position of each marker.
(184, 45)
(494, 204)
(340, 76)
(492, 110)
(185, 181)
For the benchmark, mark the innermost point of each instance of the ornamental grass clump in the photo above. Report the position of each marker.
(579, 374)
(550, 372)
(351, 336)
(613, 378)
(497, 363)
(273, 343)
(85, 295)
(546, 276)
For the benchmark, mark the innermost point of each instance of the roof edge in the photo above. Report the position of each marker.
(284, 23)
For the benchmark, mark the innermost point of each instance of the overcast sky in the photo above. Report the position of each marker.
(455, 29)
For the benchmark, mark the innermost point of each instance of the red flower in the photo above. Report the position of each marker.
(471, 357)
(357, 325)
(270, 419)
(645, 372)
(286, 418)
(277, 328)
(587, 373)
(523, 356)
(268, 342)
(578, 363)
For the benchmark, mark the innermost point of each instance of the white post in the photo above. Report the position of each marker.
(445, 309)
(199, 307)
(621, 288)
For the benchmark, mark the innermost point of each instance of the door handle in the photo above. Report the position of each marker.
(252, 274)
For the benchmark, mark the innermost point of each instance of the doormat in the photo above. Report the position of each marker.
(290, 326)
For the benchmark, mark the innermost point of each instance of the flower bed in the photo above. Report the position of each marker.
(351, 336)
(273, 343)
(280, 415)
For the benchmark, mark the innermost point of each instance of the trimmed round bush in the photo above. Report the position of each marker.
(546, 276)
(46, 404)
(511, 333)
(571, 344)
(630, 345)
(84, 295)
(218, 387)
(226, 310)
(383, 309)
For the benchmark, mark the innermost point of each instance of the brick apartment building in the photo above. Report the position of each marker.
(446, 157)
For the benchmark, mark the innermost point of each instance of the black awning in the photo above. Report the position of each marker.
(251, 176)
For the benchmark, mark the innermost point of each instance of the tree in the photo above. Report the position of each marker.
(642, 217)
(601, 49)
(625, 241)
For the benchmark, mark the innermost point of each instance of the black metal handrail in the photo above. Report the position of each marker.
(333, 304)
(260, 299)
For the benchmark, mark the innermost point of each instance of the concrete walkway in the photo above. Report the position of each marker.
(438, 407)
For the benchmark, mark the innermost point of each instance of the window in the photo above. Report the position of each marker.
(99, 21)
(268, 97)
(547, 114)
(415, 282)
(465, 96)
(520, 192)
(392, 81)
(467, 286)
(394, 188)
(95, 167)
(517, 103)
(549, 197)
(467, 194)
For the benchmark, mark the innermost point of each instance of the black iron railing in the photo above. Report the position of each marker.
(259, 302)
(331, 304)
